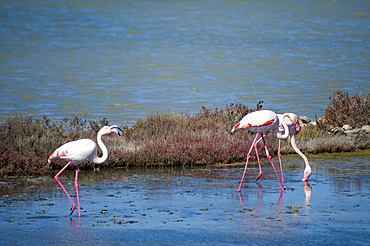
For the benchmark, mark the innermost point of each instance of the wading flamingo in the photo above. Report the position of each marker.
(80, 151)
(262, 122)
(293, 127)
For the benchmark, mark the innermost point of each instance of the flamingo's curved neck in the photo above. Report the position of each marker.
(294, 145)
(286, 131)
(102, 146)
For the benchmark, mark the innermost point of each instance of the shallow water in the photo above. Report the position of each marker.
(200, 205)
(125, 59)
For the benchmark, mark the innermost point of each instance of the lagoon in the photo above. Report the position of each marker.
(125, 59)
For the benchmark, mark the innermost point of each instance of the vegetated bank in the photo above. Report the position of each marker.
(179, 139)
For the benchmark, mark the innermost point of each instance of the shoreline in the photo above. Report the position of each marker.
(253, 163)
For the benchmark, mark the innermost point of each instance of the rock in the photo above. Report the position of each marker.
(321, 121)
(347, 127)
(337, 131)
(366, 128)
(304, 119)
(353, 131)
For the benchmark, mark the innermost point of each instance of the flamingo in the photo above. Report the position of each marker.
(262, 122)
(80, 151)
(293, 128)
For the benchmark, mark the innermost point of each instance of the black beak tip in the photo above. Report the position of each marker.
(119, 131)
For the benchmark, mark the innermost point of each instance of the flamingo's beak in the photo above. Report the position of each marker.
(116, 130)
(305, 178)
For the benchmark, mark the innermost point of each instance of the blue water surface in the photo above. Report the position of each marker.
(125, 59)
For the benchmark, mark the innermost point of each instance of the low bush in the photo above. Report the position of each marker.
(170, 139)
(181, 139)
(346, 110)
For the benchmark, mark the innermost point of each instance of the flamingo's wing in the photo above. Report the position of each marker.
(77, 151)
(260, 121)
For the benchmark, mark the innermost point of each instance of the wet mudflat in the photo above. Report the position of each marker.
(173, 206)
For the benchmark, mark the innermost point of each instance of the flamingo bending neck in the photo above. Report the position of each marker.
(307, 170)
(293, 118)
(104, 157)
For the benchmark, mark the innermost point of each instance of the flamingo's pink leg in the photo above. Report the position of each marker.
(269, 157)
(78, 197)
(258, 159)
(57, 179)
(281, 165)
(246, 164)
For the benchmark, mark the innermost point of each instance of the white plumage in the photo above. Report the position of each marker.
(79, 151)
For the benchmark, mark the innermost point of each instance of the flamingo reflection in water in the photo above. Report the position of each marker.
(279, 210)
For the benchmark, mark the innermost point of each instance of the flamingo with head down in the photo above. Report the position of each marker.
(262, 122)
(80, 151)
(293, 126)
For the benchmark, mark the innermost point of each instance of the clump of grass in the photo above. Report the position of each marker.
(335, 143)
(346, 110)
(181, 139)
(311, 132)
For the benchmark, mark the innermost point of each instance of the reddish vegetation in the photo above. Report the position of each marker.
(345, 110)
(164, 139)
(167, 139)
